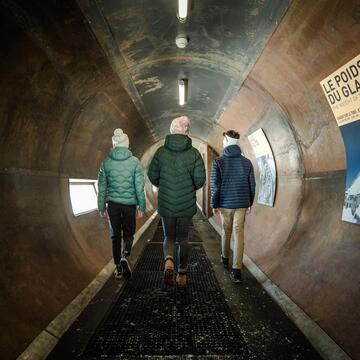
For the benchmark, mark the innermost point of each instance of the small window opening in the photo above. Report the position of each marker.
(83, 195)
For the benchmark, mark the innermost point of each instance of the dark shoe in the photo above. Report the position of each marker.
(235, 275)
(181, 279)
(169, 272)
(118, 271)
(126, 269)
(225, 261)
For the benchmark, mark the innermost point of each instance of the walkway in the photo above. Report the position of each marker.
(210, 319)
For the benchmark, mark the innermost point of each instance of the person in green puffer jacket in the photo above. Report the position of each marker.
(177, 170)
(121, 187)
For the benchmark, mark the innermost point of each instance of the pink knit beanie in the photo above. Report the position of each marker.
(180, 125)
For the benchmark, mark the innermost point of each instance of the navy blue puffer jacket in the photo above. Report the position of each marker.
(232, 180)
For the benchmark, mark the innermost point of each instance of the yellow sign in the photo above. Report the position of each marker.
(342, 91)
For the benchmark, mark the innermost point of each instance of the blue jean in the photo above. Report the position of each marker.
(177, 230)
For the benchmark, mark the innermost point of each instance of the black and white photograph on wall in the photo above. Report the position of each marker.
(267, 168)
(342, 91)
(266, 165)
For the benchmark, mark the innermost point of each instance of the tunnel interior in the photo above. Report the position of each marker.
(73, 71)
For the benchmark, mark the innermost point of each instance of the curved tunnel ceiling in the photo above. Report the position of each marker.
(225, 40)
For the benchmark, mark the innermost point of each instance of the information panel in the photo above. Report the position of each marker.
(342, 91)
(266, 163)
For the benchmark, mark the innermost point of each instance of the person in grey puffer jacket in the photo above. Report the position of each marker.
(121, 187)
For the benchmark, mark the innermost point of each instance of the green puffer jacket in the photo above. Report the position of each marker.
(177, 169)
(121, 180)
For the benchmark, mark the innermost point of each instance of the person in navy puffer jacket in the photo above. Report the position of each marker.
(232, 195)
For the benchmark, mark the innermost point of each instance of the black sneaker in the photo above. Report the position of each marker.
(126, 269)
(225, 261)
(118, 271)
(235, 275)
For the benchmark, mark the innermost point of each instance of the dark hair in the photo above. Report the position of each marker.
(232, 133)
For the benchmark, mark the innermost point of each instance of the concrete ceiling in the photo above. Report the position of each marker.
(225, 40)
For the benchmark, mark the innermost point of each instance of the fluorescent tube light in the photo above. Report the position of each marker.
(183, 10)
(182, 92)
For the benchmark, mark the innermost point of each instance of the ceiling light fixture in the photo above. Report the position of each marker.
(181, 41)
(182, 92)
(183, 10)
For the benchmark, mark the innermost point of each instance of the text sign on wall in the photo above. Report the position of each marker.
(342, 91)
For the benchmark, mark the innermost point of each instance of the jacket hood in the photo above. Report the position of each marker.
(178, 142)
(232, 151)
(120, 153)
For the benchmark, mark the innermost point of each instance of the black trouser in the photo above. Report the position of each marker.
(177, 229)
(122, 226)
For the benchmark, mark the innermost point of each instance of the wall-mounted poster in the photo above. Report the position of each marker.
(342, 90)
(266, 163)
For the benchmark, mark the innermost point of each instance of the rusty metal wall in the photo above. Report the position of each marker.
(301, 243)
(59, 103)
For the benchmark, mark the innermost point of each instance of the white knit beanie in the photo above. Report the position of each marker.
(120, 139)
(227, 141)
(180, 125)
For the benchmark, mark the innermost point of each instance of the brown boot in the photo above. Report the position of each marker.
(181, 279)
(169, 272)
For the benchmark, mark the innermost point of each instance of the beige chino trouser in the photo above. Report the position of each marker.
(233, 222)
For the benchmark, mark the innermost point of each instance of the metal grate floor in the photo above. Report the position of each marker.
(148, 319)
